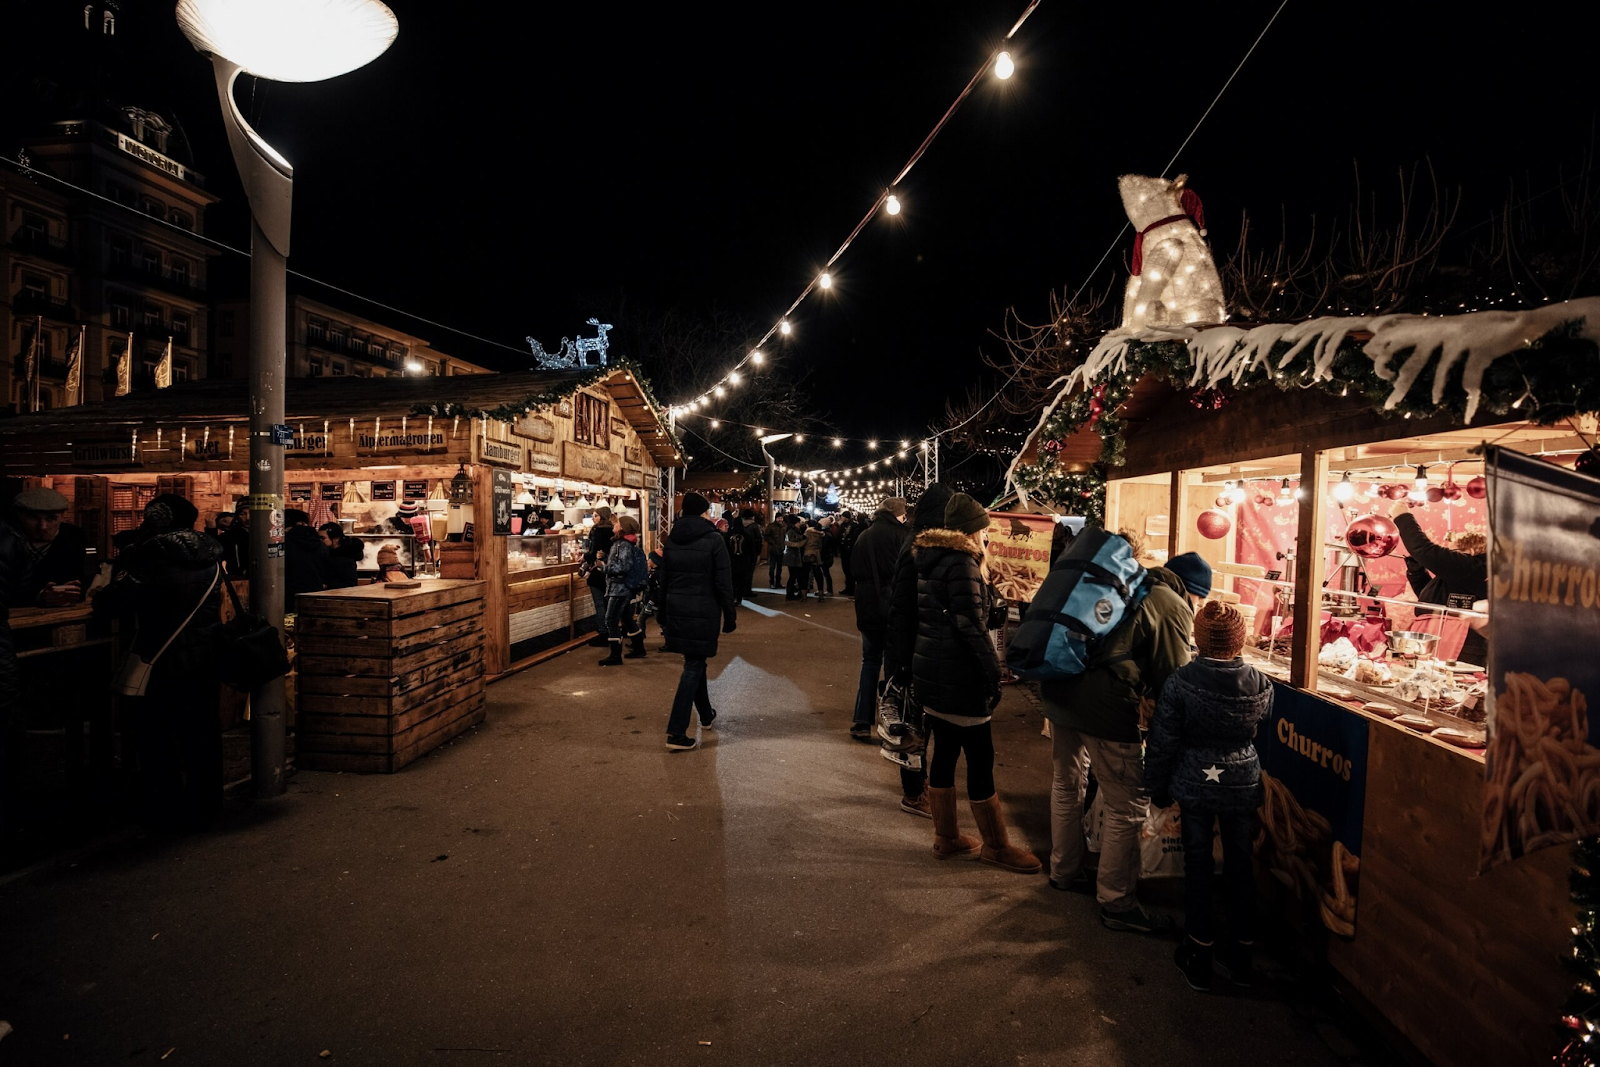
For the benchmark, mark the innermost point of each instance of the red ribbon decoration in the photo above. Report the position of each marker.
(1189, 200)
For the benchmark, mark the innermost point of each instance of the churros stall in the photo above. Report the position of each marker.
(1314, 464)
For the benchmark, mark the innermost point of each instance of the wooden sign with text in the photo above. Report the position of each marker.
(590, 464)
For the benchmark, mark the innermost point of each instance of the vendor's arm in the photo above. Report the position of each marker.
(1459, 570)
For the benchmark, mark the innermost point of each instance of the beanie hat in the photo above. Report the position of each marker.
(603, 513)
(180, 514)
(695, 504)
(1218, 630)
(1193, 572)
(965, 515)
(389, 556)
(894, 505)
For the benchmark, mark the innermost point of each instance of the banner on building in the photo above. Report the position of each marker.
(501, 492)
(1542, 771)
(1314, 771)
(1019, 553)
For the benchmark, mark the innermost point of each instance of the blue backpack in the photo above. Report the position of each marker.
(1090, 590)
(638, 570)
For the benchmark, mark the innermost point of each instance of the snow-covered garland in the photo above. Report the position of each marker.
(1456, 363)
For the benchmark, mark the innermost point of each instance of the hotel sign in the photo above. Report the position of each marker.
(104, 454)
(145, 154)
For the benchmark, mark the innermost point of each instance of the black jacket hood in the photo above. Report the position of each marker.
(690, 528)
(929, 512)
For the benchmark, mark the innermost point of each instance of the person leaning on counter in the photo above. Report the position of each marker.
(59, 549)
(1437, 573)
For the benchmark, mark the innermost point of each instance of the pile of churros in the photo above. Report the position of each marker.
(1015, 581)
(1544, 775)
(1290, 837)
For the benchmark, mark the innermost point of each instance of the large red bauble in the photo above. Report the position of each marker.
(1477, 489)
(1435, 494)
(1452, 491)
(1372, 536)
(1396, 492)
(1213, 524)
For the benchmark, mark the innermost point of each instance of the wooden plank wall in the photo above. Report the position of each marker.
(1468, 968)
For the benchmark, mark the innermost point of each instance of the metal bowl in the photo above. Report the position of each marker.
(1411, 642)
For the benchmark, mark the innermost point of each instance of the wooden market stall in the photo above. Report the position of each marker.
(1274, 484)
(439, 473)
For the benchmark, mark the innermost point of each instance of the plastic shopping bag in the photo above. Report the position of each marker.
(1161, 844)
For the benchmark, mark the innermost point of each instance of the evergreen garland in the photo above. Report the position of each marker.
(1581, 1019)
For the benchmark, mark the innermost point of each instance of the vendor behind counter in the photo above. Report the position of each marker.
(1437, 573)
(59, 550)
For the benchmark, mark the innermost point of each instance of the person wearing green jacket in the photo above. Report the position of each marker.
(1094, 721)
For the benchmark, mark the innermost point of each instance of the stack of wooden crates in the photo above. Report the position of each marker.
(386, 675)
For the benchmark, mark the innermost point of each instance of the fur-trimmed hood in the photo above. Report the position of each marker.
(948, 540)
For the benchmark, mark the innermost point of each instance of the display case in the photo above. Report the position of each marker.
(537, 552)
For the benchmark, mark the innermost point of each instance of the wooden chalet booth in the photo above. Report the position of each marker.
(439, 474)
(1272, 470)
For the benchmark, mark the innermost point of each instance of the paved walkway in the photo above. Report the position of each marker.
(556, 888)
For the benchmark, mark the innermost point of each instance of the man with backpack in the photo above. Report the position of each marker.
(873, 559)
(1095, 719)
(627, 573)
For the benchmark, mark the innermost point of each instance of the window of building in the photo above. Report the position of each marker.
(358, 345)
(121, 313)
(316, 368)
(224, 324)
(108, 25)
(336, 335)
(592, 421)
(180, 327)
(152, 206)
(152, 315)
(35, 286)
(151, 260)
(182, 220)
(397, 355)
(180, 270)
(121, 251)
(316, 329)
(119, 193)
(220, 365)
(338, 369)
(180, 372)
(34, 226)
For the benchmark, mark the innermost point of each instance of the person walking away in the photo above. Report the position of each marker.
(773, 536)
(697, 595)
(236, 541)
(901, 633)
(745, 578)
(733, 536)
(59, 549)
(956, 676)
(830, 552)
(344, 555)
(594, 558)
(876, 552)
(169, 581)
(626, 575)
(794, 549)
(306, 563)
(1094, 721)
(1201, 753)
(849, 531)
(1437, 573)
(812, 556)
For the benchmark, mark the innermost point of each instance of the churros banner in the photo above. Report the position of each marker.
(1019, 553)
(1542, 772)
(1314, 773)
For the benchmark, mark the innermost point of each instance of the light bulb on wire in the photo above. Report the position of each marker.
(825, 280)
(837, 443)
(784, 328)
(1003, 66)
(757, 358)
(892, 205)
(733, 377)
(1345, 490)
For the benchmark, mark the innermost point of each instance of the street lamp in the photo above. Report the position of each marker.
(291, 41)
(767, 439)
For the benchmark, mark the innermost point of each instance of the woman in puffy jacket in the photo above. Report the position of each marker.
(956, 677)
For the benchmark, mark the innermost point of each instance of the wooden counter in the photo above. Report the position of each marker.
(386, 675)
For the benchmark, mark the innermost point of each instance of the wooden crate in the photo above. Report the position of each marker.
(387, 675)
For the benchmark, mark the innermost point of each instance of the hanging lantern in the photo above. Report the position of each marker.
(1372, 536)
(461, 486)
(352, 495)
(1213, 524)
(1477, 489)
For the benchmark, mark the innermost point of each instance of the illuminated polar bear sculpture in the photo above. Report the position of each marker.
(1174, 281)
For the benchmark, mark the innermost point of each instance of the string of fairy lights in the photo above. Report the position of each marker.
(1000, 65)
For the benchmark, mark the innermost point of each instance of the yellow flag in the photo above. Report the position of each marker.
(164, 368)
(75, 368)
(125, 369)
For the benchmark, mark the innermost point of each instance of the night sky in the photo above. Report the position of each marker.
(510, 168)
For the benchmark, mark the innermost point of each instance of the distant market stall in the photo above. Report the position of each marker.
(1278, 453)
(446, 476)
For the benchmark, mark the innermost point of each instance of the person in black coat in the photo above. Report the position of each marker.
(169, 572)
(872, 560)
(698, 601)
(1437, 573)
(900, 630)
(956, 677)
(595, 558)
(236, 541)
(16, 590)
(1201, 753)
(344, 555)
(305, 558)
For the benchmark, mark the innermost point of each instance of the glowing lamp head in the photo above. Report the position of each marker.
(290, 40)
(760, 432)
(757, 358)
(1344, 492)
(799, 438)
(892, 205)
(720, 391)
(825, 280)
(716, 424)
(784, 328)
(413, 366)
(1284, 492)
(1421, 482)
(837, 443)
(1003, 66)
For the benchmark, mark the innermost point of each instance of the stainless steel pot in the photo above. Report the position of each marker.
(1411, 643)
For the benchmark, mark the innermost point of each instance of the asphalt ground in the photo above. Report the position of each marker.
(555, 887)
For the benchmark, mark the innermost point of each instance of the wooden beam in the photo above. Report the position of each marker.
(491, 557)
(1310, 563)
(1175, 510)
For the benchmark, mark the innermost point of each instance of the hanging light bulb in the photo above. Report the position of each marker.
(892, 205)
(784, 328)
(760, 432)
(799, 437)
(826, 280)
(733, 377)
(720, 391)
(757, 358)
(837, 443)
(872, 444)
(1344, 491)
(904, 445)
(1284, 492)
(1003, 66)
(1421, 482)
(716, 424)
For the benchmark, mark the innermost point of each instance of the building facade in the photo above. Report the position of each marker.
(117, 265)
(325, 341)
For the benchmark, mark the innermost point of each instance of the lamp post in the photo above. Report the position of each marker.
(772, 469)
(292, 41)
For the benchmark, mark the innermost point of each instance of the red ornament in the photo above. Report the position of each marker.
(1097, 404)
(1213, 524)
(1396, 492)
(1452, 491)
(1435, 494)
(1052, 448)
(1223, 501)
(1372, 536)
(1208, 399)
(1589, 462)
(1477, 489)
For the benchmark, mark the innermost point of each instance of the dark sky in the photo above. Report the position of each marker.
(507, 167)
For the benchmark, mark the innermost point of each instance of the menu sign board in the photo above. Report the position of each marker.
(633, 478)
(535, 428)
(417, 490)
(1542, 768)
(383, 490)
(500, 492)
(544, 458)
(499, 453)
(104, 453)
(333, 492)
(300, 492)
(385, 439)
(590, 464)
(1019, 552)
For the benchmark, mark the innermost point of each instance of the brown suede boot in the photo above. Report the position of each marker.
(997, 846)
(948, 840)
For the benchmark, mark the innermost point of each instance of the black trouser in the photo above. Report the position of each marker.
(849, 579)
(949, 741)
(825, 577)
(744, 577)
(798, 575)
(10, 729)
(775, 568)
(179, 740)
(692, 692)
(1238, 841)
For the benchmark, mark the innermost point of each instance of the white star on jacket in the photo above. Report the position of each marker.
(1213, 773)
